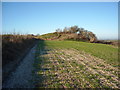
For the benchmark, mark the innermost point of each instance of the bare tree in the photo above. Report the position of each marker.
(65, 30)
(58, 30)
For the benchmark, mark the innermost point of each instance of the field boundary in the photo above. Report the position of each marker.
(11, 67)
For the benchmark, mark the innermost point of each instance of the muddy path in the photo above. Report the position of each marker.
(70, 68)
(22, 76)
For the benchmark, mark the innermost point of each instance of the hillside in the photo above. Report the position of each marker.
(77, 34)
(70, 33)
(75, 64)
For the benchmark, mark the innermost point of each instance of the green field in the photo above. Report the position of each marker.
(73, 64)
(103, 51)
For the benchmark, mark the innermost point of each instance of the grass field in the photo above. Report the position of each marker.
(73, 64)
(106, 52)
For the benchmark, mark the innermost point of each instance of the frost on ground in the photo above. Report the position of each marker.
(22, 77)
(70, 68)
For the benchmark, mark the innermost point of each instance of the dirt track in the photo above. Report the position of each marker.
(22, 77)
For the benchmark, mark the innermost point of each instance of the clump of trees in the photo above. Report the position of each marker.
(81, 33)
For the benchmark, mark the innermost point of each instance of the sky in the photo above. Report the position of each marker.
(60, 0)
(45, 17)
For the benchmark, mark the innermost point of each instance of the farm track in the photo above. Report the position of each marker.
(22, 77)
(70, 68)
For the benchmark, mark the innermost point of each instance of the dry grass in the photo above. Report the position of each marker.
(14, 45)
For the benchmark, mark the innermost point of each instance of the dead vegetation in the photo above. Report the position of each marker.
(14, 48)
(110, 42)
(14, 45)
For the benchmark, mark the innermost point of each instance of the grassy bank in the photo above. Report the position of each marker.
(15, 45)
